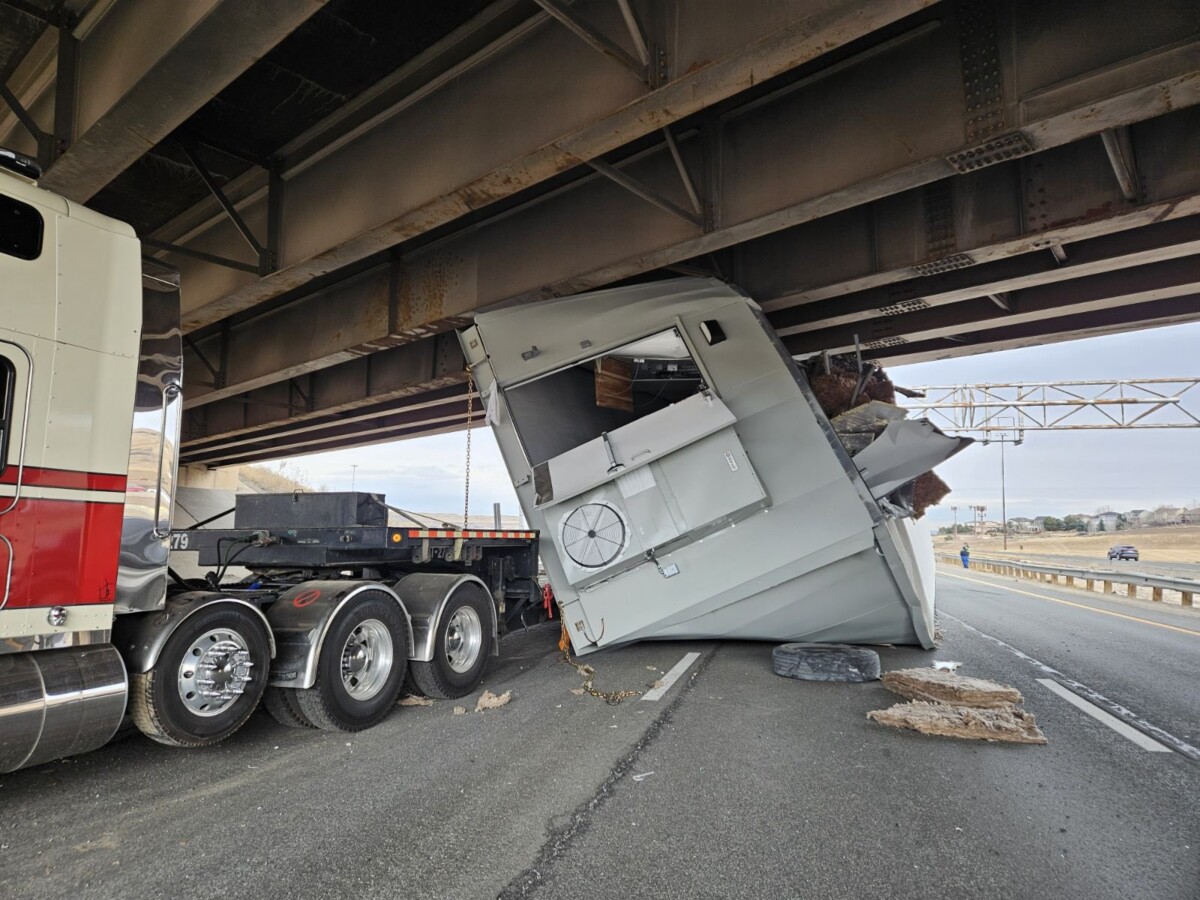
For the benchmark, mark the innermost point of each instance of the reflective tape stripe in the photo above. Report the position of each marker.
(446, 533)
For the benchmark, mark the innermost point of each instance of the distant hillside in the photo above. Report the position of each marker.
(265, 480)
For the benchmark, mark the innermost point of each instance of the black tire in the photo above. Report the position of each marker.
(438, 678)
(165, 710)
(825, 662)
(330, 704)
(281, 704)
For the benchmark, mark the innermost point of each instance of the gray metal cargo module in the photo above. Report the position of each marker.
(685, 482)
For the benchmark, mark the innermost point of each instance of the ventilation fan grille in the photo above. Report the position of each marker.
(593, 535)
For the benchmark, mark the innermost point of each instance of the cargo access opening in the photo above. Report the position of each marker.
(564, 409)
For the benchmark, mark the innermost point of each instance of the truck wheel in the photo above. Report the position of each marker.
(207, 681)
(360, 669)
(461, 649)
(281, 704)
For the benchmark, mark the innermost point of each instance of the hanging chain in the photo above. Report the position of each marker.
(612, 698)
(470, 419)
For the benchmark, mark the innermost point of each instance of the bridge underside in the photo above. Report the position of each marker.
(344, 183)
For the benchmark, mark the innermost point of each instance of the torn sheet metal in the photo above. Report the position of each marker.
(906, 449)
(708, 497)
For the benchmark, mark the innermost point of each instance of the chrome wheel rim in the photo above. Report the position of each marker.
(214, 672)
(464, 639)
(367, 658)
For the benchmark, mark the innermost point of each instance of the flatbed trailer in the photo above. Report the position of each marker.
(286, 538)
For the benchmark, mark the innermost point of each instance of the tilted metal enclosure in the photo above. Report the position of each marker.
(731, 512)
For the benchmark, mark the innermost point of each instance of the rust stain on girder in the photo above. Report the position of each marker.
(424, 291)
(1096, 212)
(771, 55)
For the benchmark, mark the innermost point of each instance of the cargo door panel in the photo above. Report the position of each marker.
(693, 489)
(623, 449)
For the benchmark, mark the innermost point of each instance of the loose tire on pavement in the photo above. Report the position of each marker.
(825, 662)
(207, 680)
(360, 669)
(461, 649)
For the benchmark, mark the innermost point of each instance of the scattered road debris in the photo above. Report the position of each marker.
(948, 687)
(945, 703)
(642, 777)
(825, 662)
(488, 700)
(1008, 724)
(460, 710)
(415, 700)
(943, 665)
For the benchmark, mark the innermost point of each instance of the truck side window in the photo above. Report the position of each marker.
(8, 380)
(21, 229)
(558, 412)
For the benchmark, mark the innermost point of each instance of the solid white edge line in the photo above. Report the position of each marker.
(1132, 734)
(671, 677)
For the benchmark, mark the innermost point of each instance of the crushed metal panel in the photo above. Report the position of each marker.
(721, 503)
(905, 450)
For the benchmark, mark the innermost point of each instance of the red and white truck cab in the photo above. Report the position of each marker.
(69, 356)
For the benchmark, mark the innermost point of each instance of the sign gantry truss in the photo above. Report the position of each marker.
(1057, 406)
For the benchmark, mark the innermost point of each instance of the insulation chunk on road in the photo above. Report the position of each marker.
(950, 687)
(415, 700)
(488, 700)
(1009, 724)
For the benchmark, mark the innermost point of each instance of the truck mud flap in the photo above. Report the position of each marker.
(301, 618)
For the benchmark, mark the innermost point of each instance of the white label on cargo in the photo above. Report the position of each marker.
(640, 479)
(733, 466)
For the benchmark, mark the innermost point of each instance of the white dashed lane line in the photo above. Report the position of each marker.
(671, 677)
(1078, 691)
(1132, 734)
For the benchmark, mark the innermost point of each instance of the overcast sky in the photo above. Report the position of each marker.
(1051, 473)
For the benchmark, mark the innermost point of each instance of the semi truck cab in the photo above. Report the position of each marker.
(94, 624)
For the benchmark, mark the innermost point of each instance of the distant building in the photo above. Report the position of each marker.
(1110, 521)
(1167, 515)
(1137, 518)
(1191, 516)
(1023, 525)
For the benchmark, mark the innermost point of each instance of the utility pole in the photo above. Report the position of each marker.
(1004, 438)
(954, 509)
(353, 475)
(1003, 496)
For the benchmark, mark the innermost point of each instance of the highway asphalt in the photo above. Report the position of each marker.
(737, 783)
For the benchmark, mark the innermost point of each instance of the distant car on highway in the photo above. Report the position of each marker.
(1123, 551)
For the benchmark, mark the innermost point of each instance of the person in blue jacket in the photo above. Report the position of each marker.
(965, 553)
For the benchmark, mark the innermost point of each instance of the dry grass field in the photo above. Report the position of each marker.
(1172, 544)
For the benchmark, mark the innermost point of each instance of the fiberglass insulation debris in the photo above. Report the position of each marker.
(959, 706)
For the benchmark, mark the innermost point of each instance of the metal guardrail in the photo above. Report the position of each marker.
(1186, 587)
